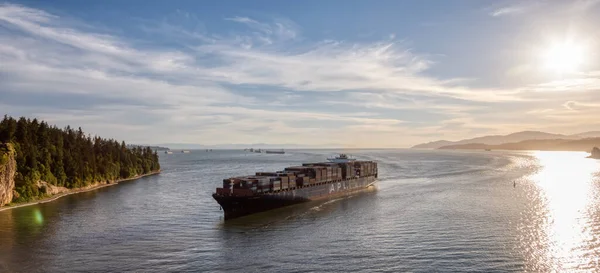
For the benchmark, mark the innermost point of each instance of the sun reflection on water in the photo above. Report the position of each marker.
(566, 181)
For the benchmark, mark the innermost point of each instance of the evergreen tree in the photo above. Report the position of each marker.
(69, 158)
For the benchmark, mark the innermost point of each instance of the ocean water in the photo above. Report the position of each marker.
(432, 211)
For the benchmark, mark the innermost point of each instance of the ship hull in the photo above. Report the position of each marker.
(238, 206)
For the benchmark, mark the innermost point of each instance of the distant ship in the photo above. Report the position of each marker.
(264, 191)
(342, 158)
(275, 151)
(185, 151)
(168, 152)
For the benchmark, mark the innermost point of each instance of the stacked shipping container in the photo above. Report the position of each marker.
(297, 176)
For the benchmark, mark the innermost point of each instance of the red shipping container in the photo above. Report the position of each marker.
(242, 192)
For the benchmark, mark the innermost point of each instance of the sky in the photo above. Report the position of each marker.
(325, 73)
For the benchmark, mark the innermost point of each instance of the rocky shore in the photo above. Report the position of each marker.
(8, 168)
(58, 192)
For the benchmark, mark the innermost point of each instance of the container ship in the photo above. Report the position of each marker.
(241, 196)
(275, 151)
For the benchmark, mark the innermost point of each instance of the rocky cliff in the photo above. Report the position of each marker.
(8, 167)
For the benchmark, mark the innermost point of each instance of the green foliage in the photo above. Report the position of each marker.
(68, 158)
(4, 154)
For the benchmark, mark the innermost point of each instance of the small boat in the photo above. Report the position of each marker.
(185, 151)
(341, 158)
(275, 151)
(168, 152)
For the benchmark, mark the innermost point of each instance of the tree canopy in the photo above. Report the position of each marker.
(68, 158)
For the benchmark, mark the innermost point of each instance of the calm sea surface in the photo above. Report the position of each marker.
(432, 211)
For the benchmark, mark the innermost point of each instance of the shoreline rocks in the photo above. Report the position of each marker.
(8, 168)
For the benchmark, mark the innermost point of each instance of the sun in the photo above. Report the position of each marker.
(564, 57)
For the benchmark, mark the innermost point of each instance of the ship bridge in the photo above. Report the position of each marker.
(341, 158)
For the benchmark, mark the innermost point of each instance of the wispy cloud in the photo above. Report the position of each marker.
(282, 30)
(336, 66)
(577, 106)
(523, 7)
(507, 11)
(260, 82)
(42, 55)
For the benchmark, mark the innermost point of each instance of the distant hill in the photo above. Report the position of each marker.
(242, 146)
(433, 145)
(588, 134)
(154, 148)
(510, 138)
(584, 145)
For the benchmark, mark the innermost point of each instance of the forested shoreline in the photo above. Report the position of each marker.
(68, 158)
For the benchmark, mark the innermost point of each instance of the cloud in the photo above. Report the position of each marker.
(135, 93)
(578, 106)
(515, 8)
(282, 30)
(507, 11)
(583, 5)
(265, 57)
(534, 6)
(263, 81)
(575, 84)
(337, 66)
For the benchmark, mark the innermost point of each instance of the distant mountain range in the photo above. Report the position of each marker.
(513, 138)
(241, 146)
(584, 145)
(155, 148)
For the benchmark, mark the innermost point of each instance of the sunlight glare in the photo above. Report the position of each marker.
(564, 57)
(566, 179)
